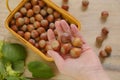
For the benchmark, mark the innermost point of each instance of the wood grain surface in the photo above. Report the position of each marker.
(91, 24)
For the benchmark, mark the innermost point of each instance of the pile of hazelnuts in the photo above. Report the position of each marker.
(32, 22)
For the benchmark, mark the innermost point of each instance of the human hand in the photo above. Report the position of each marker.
(85, 67)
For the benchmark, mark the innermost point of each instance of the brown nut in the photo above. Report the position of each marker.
(108, 49)
(49, 10)
(20, 21)
(23, 28)
(32, 41)
(30, 13)
(55, 45)
(21, 33)
(14, 28)
(43, 12)
(40, 30)
(32, 20)
(27, 35)
(65, 7)
(17, 15)
(37, 45)
(77, 42)
(23, 10)
(99, 40)
(104, 14)
(56, 14)
(38, 17)
(52, 26)
(34, 2)
(103, 54)
(36, 9)
(65, 38)
(48, 47)
(30, 27)
(65, 0)
(65, 48)
(43, 36)
(104, 32)
(85, 3)
(75, 52)
(41, 3)
(12, 22)
(36, 24)
(28, 5)
(44, 23)
(27, 20)
(34, 34)
(42, 43)
(50, 18)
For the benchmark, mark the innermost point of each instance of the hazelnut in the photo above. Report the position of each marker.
(27, 35)
(77, 42)
(99, 40)
(43, 12)
(65, 48)
(12, 22)
(23, 10)
(104, 14)
(50, 18)
(104, 32)
(49, 10)
(36, 9)
(65, 0)
(34, 34)
(55, 45)
(48, 47)
(32, 19)
(42, 43)
(41, 3)
(65, 7)
(108, 49)
(30, 27)
(28, 5)
(27, 20)
(85, 3)
(103, 54)
(17, 15)
(34, 2)
(52, 26)
(23, 28)
(40, 30)
(20, 21)
(21, 33)
(44, 23)
(14, 28)
(56, 14)
(36, 24)
(37, 38)
(43, 36)
(38, 17)
(37, 45)
(30, 13)
(65, 38)
(32, 41)
(75, 52)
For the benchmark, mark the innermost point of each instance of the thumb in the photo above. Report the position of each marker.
(57, 58)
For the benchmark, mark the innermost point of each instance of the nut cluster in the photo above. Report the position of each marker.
(32, 22)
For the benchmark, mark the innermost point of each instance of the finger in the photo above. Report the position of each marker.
(75, 32)
(58, 27)
(57, 58)
(51, 35)
(65, 26)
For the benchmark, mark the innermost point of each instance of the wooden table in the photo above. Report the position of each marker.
(91, 24)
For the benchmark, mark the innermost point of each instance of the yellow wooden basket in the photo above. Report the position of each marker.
(64, 14)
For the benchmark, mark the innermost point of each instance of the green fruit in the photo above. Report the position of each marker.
(13, 51)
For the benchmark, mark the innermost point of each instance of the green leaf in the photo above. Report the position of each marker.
(13, 51)
(1, 44)
(40, 70)
(12, 78)
(19, 66)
